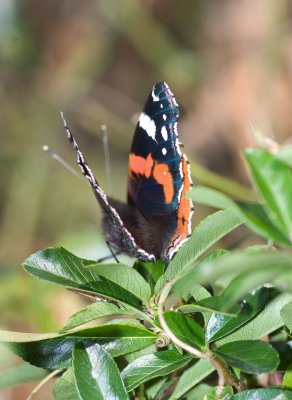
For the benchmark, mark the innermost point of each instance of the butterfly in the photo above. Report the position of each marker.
(156, 220)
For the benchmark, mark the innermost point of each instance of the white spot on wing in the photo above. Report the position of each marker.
(164, 133)
(164, 151)
(164, 116)
(148, 125)
(161, 105)
(172, 95)
(154, 97)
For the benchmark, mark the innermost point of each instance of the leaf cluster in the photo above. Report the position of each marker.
(215, 324)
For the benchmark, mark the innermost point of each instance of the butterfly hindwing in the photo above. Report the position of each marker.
(115, 231)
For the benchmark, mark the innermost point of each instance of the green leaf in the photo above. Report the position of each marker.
(252, 214)
(273, 181)
(258, 220)
(199, 292)
(267, 321)
(151, 271)
(10, 336)
(59, 266)
(21, 373)
(96, 374)
(263, 394)
(94, 311)
(191, 377)
(256, 269)
(208, 232)
(57, 351)
(286, 314)
(228, 186)
(226, 393)
(185, 328)
(198, 392)
(125, 277)
(220, 325)
(285, 155)
(151, 366)
(209, 305)
(154, 389)
(65, 388)
(287, 380)
(210, 197)
(249, 356)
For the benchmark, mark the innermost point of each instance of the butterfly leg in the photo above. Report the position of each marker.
(113, 254)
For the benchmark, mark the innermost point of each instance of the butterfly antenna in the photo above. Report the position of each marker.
(85, 169)
(106, 157)
(61, 161)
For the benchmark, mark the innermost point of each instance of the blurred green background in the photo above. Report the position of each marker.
(228, 63)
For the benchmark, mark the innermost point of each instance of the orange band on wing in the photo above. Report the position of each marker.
(162, 175)
(185, 205)
(137, 164)
(149, 163)
(160, 172)
(140, 165)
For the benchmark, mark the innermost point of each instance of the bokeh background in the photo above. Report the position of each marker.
(228, 62)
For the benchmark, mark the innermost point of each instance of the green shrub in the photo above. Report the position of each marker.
(214, 324)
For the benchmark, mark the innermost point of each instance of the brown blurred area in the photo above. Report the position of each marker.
(228, 62)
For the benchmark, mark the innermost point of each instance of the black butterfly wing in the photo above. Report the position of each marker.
(115, 231)
(159, 174)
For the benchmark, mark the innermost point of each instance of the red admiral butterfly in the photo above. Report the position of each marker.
(156, 220)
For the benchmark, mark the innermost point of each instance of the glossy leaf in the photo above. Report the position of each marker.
(65, 387)
(94, 311)
(57, 352)
(263, 394)
(208, 232)
(220, 325)
(273, 181)
(249, 356)
(286, 314)
(151, 366)
(191, 377)
(125, 277)
(59, 266)
(185, 328)
(96, 374)
(21, 373)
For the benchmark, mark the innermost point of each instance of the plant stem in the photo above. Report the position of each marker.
(42, 383)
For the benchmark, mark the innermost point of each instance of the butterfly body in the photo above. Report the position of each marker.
(156, 220)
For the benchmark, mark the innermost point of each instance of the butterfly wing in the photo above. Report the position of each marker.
(159, 175)
(155, 175)
(115, 231)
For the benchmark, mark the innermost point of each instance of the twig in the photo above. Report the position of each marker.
(42, 383)
(224, 373)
